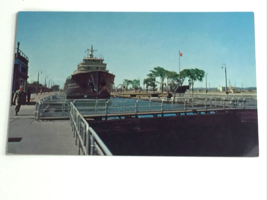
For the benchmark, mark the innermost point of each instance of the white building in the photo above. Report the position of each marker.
(221, 89)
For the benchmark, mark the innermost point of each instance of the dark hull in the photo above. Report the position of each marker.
(89, 85)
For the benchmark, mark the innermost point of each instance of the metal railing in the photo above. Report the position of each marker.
(88, 141)
(113, 106)
(53, 107)
(46, 109)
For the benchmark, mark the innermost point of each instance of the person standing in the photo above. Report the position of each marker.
(19, 98)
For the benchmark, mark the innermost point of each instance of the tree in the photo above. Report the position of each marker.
(159, 72)
(126, 83)
(174, 79)
(193, 75)
(136, 84)
(150, 82)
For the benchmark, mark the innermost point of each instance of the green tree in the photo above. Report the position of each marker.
(159, 72)
(193, 75)
(150, 82)
(174, 79)
(126, 83)
(136, 84)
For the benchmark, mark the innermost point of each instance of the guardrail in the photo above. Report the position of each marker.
(86, 138)
(51, 107)
(113, 106)
(46, 109)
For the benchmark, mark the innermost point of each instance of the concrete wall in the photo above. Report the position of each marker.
(221, 134)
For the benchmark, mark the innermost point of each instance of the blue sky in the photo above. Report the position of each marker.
(134, 43)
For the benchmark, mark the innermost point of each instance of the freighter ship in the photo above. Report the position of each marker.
(90, 80)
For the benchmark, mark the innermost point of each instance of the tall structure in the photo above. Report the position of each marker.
(20, 72)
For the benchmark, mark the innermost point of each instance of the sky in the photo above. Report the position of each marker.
(133, 43)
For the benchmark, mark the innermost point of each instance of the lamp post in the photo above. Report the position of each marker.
(38, 76)
(50, 83)
(38, 81)
(224, 66)
(45, 81)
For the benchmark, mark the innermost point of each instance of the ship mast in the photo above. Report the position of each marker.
(92, 51)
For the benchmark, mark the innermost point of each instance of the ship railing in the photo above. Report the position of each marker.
(86, 138)
(22, 54)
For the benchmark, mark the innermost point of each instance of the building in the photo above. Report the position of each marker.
(221, 89)
(55, 88)
(20, 71)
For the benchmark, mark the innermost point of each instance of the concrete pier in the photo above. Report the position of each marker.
(28, 136)
(221, 134)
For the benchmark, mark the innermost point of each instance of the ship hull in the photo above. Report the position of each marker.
(89, 85)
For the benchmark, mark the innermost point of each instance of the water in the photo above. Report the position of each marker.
(129, 105)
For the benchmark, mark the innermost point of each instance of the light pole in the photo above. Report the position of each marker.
(50, 83)
(45, 81)
(38, 81)
(38, 76)
(224, 66)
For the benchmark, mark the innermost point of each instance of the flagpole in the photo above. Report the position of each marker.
(179, 61)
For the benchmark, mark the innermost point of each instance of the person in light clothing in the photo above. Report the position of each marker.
(19, 98)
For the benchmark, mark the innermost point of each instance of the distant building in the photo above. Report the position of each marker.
(232, 89)
(20, 72)
(221, 89)
(55, 88)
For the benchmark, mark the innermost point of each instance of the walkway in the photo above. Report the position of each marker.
(28, 136)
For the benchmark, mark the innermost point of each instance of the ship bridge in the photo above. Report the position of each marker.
(91, 62)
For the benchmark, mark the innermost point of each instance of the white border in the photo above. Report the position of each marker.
(63, 177)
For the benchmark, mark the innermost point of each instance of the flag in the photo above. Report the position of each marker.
(180, 54)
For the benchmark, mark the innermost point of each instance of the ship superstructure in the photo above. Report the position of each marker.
(90, 80)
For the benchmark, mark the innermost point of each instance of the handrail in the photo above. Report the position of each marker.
(57, 108)
(100, 143)
(89, 141)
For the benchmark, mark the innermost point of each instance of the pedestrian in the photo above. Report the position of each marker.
(19, 98)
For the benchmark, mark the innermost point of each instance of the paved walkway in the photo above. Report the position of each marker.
(28, 136)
